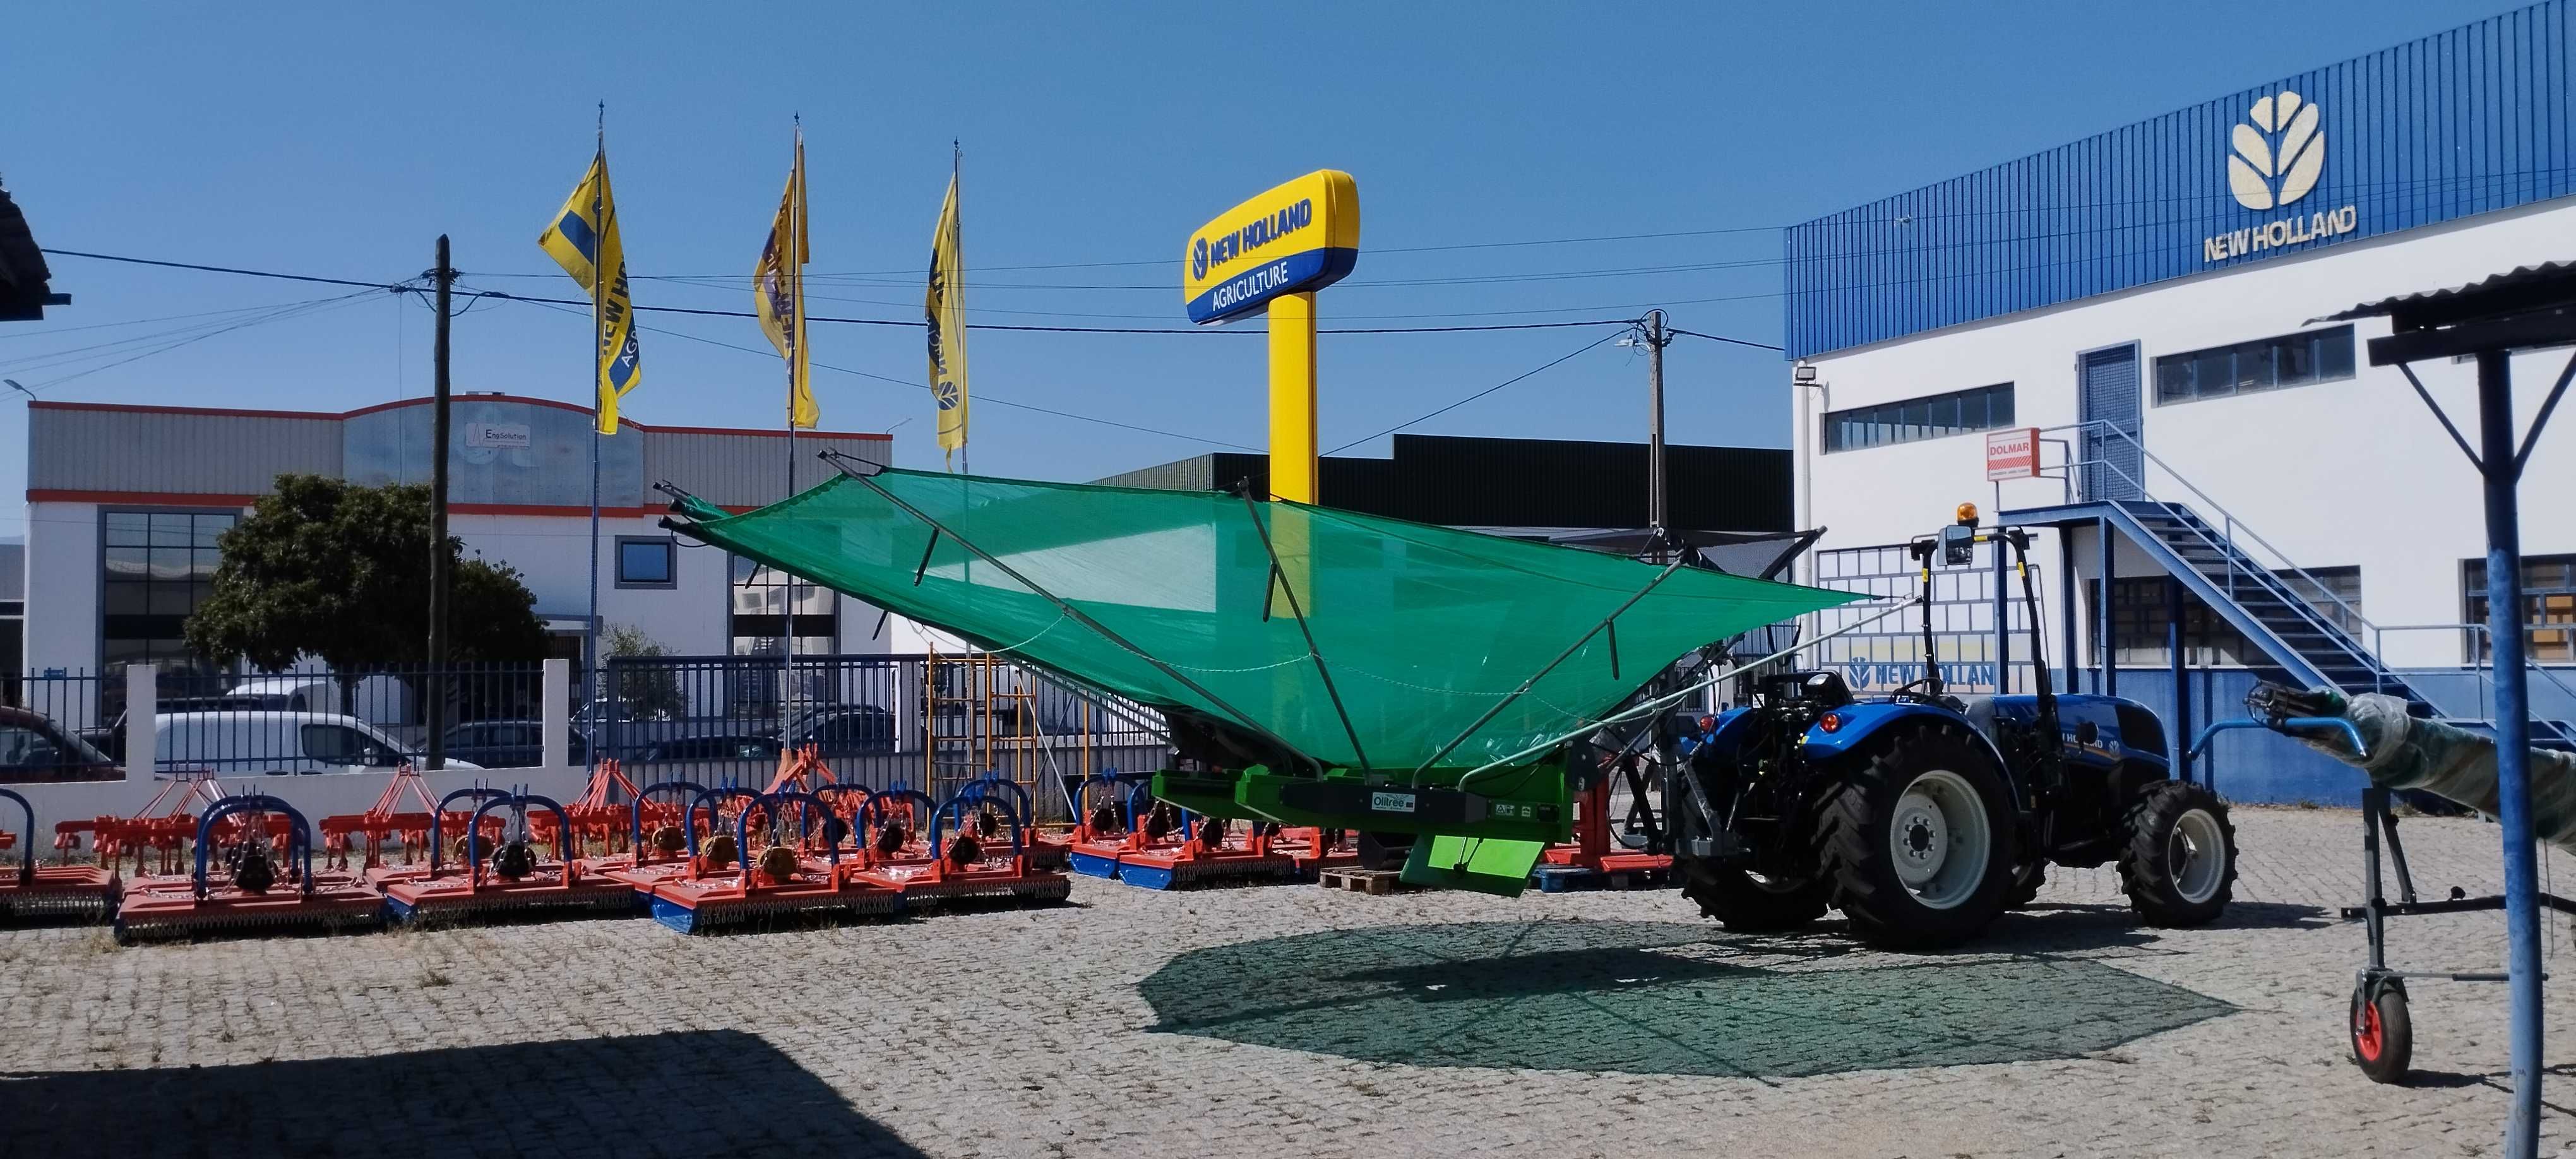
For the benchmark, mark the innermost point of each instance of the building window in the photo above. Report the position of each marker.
(2141, 611)
(2548, 607)
(156, 568)
(1909, 420)
(2264, 364)
(757, 599)
(647, 561)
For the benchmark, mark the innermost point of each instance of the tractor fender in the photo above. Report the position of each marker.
(1723, 741)
(1857, 725)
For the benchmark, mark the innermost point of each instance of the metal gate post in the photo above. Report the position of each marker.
(2175, 641)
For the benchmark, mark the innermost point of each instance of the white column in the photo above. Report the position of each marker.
(558, 713)
(142, 704)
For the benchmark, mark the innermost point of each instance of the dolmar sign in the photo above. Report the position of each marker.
(2012, 454)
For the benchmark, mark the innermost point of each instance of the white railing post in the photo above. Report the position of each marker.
(557, 716)
(142, 734)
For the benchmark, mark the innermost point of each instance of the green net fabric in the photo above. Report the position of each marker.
(1424, 629)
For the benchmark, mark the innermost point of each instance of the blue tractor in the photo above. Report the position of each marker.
(1923, 816)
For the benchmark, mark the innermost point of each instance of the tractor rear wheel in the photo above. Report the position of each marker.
(1918, 841)
(1749, 904)
(2179, 863)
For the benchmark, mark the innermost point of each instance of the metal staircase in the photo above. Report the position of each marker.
(2310, 635)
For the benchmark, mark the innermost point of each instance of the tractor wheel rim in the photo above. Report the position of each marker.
(1938, 839)
(2196, 856)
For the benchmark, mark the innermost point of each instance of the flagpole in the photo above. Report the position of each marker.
(957, 277)
(598, 339)
(795, 275)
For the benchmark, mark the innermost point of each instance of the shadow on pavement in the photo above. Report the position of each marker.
(1654, 998)
(695, 1094)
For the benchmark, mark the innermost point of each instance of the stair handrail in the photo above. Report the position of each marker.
(2484, 671)
(2344, 639)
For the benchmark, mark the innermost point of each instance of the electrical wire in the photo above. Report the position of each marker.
(981, 396)
(1720, 338)
(168, 341)
(1482, 393)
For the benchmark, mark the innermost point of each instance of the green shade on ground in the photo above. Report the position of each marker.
(1646, 998)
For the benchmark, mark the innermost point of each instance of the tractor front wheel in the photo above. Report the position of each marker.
(1919, 841)
(1749, 904)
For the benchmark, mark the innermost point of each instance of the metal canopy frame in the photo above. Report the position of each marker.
(2527, 308)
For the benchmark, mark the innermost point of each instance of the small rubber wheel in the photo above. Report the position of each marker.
(1748, 904)
(2383, 1036)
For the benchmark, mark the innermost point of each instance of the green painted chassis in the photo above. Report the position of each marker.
(1529, 803)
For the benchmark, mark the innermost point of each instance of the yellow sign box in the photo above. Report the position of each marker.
(1303, 235)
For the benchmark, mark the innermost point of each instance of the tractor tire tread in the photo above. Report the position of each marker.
(2146, 879)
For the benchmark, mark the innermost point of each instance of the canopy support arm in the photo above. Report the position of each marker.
(1535, 677)
(1279, 576)
(865, 474)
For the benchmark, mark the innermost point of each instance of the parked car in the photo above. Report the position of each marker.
(33, 749)
(278, 743)
(109, 738)
(507, 744)
(844, 730)
(713, 747)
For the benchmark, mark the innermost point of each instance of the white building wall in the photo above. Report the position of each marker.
(2354, 472)
(62, 587)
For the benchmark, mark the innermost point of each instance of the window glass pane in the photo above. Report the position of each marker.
(208, 527)
(126, 599)
(2254, 366)
(127, 528)
(170, 530)
(644, 563)
(2173, 378)
(1945, 414)
(2213, 373)
(128, 562)
(1972, 410)
(2334, 353)
(171, 563)
(2294, 361)
(1999, 405)
(1915, 423)
(169, 599)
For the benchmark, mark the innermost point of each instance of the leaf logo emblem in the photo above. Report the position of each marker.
(2279, 155)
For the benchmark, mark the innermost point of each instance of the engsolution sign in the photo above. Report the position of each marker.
(1302, 235)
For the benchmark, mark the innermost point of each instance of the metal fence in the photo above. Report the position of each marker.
(879, 720)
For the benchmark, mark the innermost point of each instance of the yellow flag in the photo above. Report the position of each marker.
(778, 291)
(946, 306)
(583, 240)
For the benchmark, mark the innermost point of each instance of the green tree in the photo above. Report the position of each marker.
(330, 569)
(645, 691)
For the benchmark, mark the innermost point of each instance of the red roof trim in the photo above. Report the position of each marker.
(315, 415)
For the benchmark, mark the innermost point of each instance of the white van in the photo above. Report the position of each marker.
(279, 743)
(380, 699)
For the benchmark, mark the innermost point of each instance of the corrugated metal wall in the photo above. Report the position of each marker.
(745, 470)
(76, 448)
(2463, 122)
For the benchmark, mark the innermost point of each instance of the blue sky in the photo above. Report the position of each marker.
(339, 140)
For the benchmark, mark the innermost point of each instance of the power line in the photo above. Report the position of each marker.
(1479, 394)
(985, 397)
(1722, 338)
(222, 269)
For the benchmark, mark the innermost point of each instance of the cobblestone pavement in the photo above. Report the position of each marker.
(1289, 1020)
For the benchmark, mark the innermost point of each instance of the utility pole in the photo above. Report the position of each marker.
(435, 688)
(1658, 513)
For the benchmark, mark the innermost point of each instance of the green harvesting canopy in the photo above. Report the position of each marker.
(1423, 629)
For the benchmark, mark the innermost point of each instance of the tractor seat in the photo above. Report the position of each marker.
(1980, 711)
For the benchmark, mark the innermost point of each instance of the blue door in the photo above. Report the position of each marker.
(2114, 453)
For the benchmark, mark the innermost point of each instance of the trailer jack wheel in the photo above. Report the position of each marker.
(2383, 1036)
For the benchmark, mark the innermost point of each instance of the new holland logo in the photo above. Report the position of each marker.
(2279, 155)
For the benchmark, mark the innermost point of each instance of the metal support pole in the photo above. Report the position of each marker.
(2066, 603)
(2499, 464)
(2175, 641)
(2003, 617)
(2106, 638)
(1657, 497)
(434, 688)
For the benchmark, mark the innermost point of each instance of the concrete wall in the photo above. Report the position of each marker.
(2353, 472)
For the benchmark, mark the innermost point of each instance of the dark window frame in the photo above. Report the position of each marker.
(2548, 584)
(1919, 419)
(670, 546)
(2256, 366)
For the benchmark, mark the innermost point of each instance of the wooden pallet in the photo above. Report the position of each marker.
(1370, 881)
